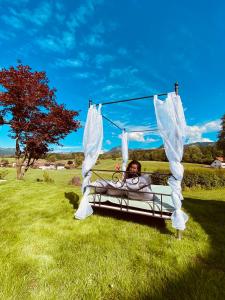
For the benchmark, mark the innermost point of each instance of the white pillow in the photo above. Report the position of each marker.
(141, 184)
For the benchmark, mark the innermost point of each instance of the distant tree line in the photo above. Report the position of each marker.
(192, 154)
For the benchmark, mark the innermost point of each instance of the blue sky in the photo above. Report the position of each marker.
(107, 50)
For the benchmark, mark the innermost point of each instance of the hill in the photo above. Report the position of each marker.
(7, 151)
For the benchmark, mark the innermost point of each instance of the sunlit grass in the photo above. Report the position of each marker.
(46, 254)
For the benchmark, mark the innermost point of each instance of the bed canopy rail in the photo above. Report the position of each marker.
(176, 88)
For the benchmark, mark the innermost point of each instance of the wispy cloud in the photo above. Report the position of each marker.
(73, 63)
(83, 75)
(195, 132)
(60, 42)
(110, 87)
(140, 137)
(122, 51)
(6, 35)
(81, 15)
(57, 43)
(65, 148)
(95, 38)
(121, 72)
(17, 18)
(108, 142)
(100, 59)
(12, 21)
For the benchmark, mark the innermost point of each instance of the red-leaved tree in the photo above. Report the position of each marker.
(36, 120)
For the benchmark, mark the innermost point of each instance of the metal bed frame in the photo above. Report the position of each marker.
(156, 205)
(126, 208)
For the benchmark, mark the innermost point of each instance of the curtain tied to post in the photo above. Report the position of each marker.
(124, 149)
(172, 127)
(92, 145)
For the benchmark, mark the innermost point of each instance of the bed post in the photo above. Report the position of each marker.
(179, 234)
(176, 87)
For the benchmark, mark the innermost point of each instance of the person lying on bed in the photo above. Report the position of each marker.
(133, 170)
(132, 183)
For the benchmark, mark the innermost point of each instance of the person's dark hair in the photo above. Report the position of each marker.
(133, 162)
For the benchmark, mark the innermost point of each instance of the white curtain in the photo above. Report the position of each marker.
(92, 144)
(124, 150)
(172, 126)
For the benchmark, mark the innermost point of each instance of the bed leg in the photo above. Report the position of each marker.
(179, 235)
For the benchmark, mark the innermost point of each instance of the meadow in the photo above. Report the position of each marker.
(46, 254)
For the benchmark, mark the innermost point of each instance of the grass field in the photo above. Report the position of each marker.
(46, 254)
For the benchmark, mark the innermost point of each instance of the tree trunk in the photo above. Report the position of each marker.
(19, 170)
(19, 164)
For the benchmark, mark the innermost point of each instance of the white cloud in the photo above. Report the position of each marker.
(139, 137)
(136, 136)
(108, 142)
(80, 16)
(94, 40)
(115, 73)
(12, 21)
(39, 16)
(74, 63)
(100, 59)
(57, 43)
(122, 51)
(67, 40)
(111, 87)
(6, 36)
(64, 148)
(83, 75)
(195, 132)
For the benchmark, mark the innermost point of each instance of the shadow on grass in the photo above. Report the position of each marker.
(157, 223)
(73, 199)
(205, 276)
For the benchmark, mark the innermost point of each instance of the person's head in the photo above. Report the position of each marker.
(134, 168)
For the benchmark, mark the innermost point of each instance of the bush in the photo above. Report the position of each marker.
(204, 178)
(5, 162)
(47, 178)
(3, 174)
(75, 181)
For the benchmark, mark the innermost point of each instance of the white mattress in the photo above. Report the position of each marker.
(150, 205)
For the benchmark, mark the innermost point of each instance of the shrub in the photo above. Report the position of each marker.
(3, 174)
(73, 199)
(75, 181)
(4, 162)
(204, 178)
(47, 178)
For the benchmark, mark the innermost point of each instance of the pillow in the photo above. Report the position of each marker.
(146, 179)
(141, 184)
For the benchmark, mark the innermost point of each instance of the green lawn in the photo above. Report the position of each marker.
(46, 254)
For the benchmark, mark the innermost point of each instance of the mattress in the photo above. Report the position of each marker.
(156, 205)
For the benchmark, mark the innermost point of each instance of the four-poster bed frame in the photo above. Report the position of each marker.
(130, 195)
(161, 205)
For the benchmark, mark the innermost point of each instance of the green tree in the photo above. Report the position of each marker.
(221, 136)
